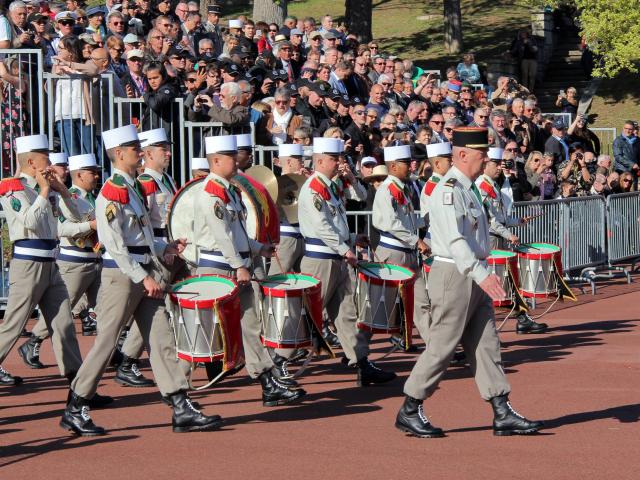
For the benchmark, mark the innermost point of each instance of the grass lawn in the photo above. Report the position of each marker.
(617, 100)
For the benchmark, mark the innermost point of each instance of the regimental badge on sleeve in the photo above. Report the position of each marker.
(447, 198)
(110, 211)
(219, 211)
(317, 202)
(15, 204)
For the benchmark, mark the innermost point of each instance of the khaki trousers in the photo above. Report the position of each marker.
(257, 358)
(338, 280)
(34, 283)
(460, 310)
(119, 299)
(80, 278)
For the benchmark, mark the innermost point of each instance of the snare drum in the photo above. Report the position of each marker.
(384, 297)
(206, 320)
(289, 310)
(504, 264)
(540, 267)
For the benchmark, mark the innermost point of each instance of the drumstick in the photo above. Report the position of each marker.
(275, 254)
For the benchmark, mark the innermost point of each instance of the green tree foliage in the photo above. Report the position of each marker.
(611, 29)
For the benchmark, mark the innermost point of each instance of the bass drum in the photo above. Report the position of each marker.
(181, 216)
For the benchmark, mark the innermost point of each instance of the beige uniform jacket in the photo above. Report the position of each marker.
(393, 215)
(459, 226)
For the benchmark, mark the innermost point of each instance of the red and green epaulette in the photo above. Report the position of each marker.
(217, 189)
(430, 186)
(397, 193)
(10, 184)
(320, 188)
(485, 186)
(148, 183)
(115, 190)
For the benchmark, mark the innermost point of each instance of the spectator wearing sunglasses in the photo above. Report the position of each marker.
(116, 25)
(377, 63)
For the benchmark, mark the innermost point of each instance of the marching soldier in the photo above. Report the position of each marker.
(159, 189)
(291, 247)
(500, 222)
(394, 217)
(328, 255)
(439, 155)
(226, 249)
(79, 259)
(32, 206)
(245, 151)
(60, 165)
(132, 285)
(461, 289)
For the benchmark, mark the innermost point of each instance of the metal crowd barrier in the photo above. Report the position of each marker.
(606, 137)
(544, 228)
(583, 230)
(264, 156)
(78, 108)
(623, 228)
(21, 102)
(135, 111)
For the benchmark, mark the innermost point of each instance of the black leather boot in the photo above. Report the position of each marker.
(97, 401)
(506, 421)
(527, 325)
(7, 379)
(369, 373)
(89, 325)
(398, 342)
(412, 420)
(275, 393)
(76, 418)
(29, 351)
(187, 418)
(281, 373)
(129, 375)
(330, 337)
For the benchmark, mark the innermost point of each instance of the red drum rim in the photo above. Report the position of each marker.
(528, 294)
(293, 292)
(369, 328)
(379, 281)
(501, 257)
(198, 358)
(206, 303)
(533, 255)
(502, 303)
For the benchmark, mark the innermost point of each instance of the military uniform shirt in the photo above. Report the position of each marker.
(219, 222)
(494, 202)
(322, 214)
(75, 234)
(28, 214)
(159, 196)
(123, 223)
(459, 227)
(393, 212)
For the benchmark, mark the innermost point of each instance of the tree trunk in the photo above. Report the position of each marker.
(270, 11)
(452, 26)
(358, 18)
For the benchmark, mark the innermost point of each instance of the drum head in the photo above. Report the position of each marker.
(203, 291)
(181, 215)
(290, 281)
(502, 254)
(540, 248)
(386, 271)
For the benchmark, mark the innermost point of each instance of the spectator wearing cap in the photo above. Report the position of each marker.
(131, 42)
(557, 143)
(212, 27)
(626, 150)
(95, 16)
(282, 122)
(40, 27)
(314, 43)
(65, 22)
(339, 112)
(312, 108)
(282, 52)
(133, 80)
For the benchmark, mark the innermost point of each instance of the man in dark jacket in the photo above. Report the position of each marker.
(626, 150)
(556, 143)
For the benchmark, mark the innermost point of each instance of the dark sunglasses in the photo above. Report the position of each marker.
(67, 23)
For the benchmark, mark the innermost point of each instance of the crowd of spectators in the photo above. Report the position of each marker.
(295, 81)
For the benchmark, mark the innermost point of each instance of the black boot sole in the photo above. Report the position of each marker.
(34, 366)
(199, 428)
(531, 332)
(411, 433)
(126, 383)
(508, 433)
(74, 429)
(284, 401)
